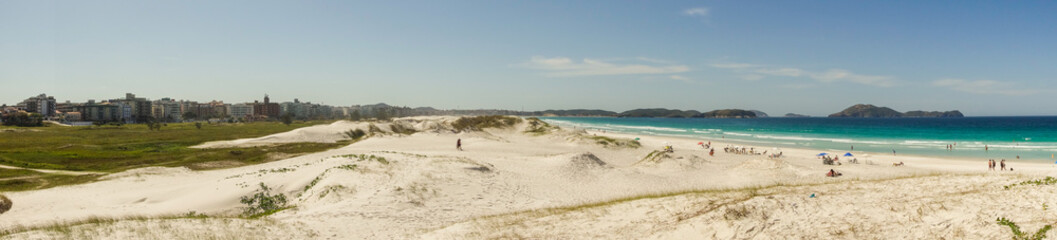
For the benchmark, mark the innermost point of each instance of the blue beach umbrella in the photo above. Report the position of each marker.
(823, 154)
(848, 155)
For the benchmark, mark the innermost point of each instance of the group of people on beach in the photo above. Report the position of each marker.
(991, 165)
(743, 151)
(830, 160)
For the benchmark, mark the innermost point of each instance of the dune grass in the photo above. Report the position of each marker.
(117, 148)
(478, 123)
(611, 142)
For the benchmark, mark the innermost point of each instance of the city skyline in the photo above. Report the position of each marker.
(815, 57)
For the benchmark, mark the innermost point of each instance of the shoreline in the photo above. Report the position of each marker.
(926, 140)
(943, 163)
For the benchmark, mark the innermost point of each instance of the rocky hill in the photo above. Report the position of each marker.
(728, 113)
(946, 114)
(871, 111)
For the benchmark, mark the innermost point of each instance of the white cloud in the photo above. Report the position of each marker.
(757, 72)
(565, 67)
(987, 87)
(677, 77)
(787, 72)
(699, 11)
(654, 60)
(752, 77)
(733, 65)
(834, 75)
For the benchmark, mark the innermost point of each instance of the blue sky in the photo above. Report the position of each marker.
(809, 57)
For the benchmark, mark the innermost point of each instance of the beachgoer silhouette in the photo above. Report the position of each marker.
(1003, 165)
(458, 144)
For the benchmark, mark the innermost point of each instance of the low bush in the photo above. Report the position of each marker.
(401, 129)
(1018, 235)
(263, 202)
(1036, 182)
(5, 204)
(355, 134)
(481, 122)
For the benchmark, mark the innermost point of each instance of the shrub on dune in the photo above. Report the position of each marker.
(5, 204)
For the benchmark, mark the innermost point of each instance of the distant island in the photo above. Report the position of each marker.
(794, 115)
(871, 111)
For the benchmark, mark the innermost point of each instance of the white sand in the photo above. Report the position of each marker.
(507, 184)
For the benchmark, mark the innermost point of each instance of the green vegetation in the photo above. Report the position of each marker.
(1037, 182)
(22, 119)
(654, 156)
(287, 118)
(113, 149)
(610, 142)
(1018, 235)
(5, 204)
(22, 179)
(263, 203)
(350, 167)
(539, 127)
(401, 129)
(481, 122)
(365, 157)
(355, 134)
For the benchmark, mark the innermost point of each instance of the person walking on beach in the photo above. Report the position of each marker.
(458, 144)
(991, 164)
(1003, 165)
(893, 152)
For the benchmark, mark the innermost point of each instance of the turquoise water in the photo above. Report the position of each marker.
(1031, 138)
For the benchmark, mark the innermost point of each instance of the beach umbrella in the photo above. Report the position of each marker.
(848, 155)
(823, 154)
(700, 143)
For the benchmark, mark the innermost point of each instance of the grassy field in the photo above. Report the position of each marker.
(111, 149)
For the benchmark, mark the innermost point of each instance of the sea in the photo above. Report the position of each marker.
(1030, 138)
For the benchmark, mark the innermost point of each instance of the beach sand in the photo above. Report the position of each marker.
(561, 184)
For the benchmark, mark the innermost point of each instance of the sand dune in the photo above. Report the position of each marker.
(562, 184)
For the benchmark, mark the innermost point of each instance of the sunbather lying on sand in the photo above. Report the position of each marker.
(832, 173)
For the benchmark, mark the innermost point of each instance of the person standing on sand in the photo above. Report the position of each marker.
(1003, 164)
(458, 144)
(893, 152)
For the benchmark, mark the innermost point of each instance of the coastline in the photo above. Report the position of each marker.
(939, 163)
(1029, 139)
(554, 183)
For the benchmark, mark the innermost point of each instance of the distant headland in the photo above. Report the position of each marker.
(871, 111)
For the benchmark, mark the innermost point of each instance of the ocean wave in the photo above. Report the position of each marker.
(652, 128)
(738, 134)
